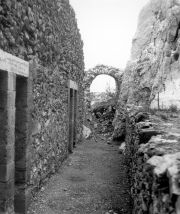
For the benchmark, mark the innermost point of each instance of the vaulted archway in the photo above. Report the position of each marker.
(91, 74)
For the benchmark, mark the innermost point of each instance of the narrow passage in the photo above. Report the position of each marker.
(92, 180)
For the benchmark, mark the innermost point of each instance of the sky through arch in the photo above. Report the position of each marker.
(108, 82)
(107, 28)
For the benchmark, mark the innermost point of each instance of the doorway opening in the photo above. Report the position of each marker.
(73, 101)
(21, 141)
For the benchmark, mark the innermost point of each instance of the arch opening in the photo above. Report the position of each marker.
(102, 88)
(103, 95)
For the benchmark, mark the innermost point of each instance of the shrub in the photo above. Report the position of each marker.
(110, 93)
(163, 116)
(173, 108)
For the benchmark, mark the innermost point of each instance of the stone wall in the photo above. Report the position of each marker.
(45, 33)
(152, 155)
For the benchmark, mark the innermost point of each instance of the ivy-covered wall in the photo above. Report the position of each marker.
(45, 33)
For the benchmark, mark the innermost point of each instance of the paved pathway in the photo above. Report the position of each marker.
(91, 181)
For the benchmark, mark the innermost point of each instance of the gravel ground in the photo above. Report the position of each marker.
(92, 180)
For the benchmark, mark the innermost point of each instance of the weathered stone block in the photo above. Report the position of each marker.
(153, 166)
(7, 136)
(7, 190)
(146, 134)
(7, 206)
(7, 99)
(11, 82)
(7, 81)
(6, 153)
(7, 118)
(7, 171)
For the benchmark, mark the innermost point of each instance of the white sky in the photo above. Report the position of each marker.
(100, 86)
(107, 28)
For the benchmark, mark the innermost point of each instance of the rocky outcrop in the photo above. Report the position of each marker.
(155, 51)
(154, 56)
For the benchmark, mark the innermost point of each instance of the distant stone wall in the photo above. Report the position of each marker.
(45, 33)
(153, 158)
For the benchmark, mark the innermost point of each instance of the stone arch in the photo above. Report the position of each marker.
(91, 74)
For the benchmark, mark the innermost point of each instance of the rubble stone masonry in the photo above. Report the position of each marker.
(153, 157)
(45, 34)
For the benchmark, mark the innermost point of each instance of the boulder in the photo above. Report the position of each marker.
(86, 132)
(122, 148)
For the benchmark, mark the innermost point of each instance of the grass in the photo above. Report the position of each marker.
(166, 113)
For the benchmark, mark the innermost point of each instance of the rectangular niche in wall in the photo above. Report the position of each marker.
(73, 101)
